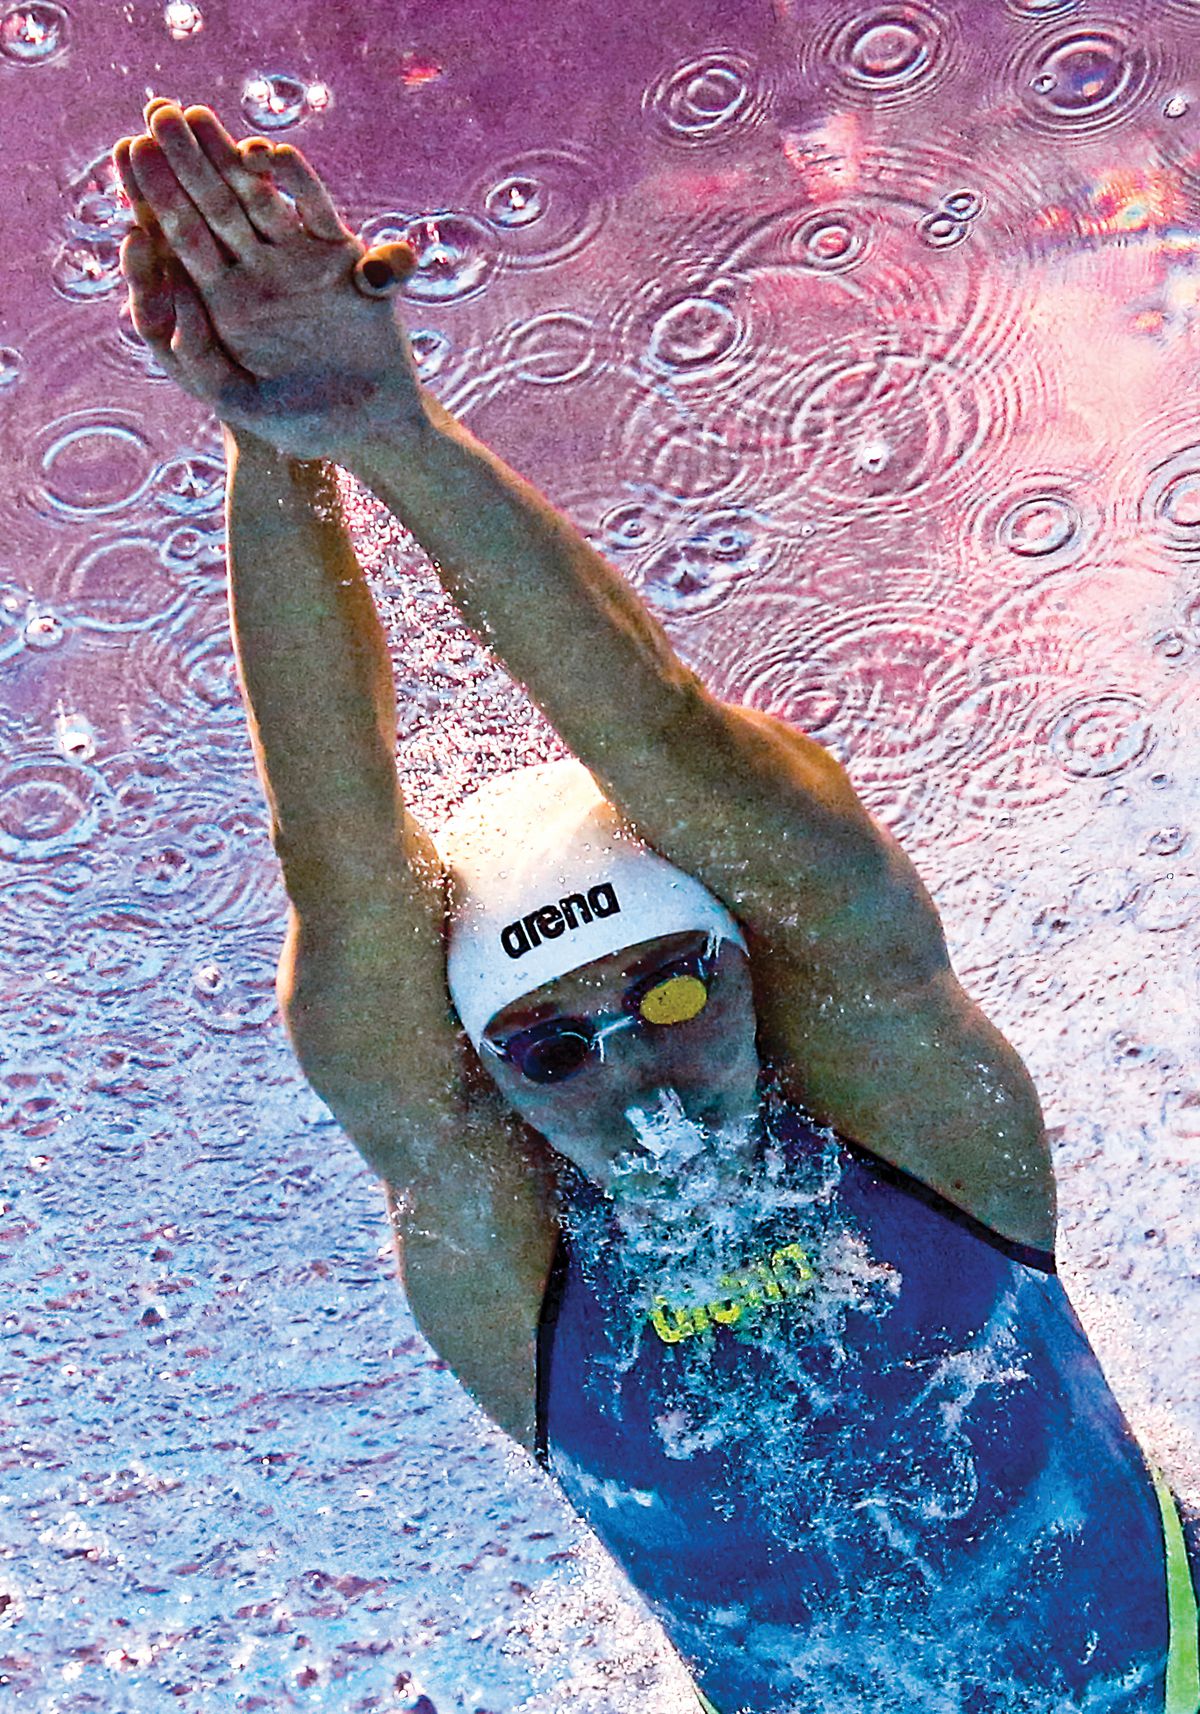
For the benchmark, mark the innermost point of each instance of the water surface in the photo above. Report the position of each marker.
(862, 338)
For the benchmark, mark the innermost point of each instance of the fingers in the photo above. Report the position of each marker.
(201, 181)
(169, 315)
(313, 202)
(183, 226)
(243, 169)
(383, 270)
(151, 293)
(257, 154)
(142, 211)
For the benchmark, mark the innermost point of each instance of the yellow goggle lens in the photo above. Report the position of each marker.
(674, 1001)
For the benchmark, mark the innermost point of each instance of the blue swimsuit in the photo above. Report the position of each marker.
(880, 1469)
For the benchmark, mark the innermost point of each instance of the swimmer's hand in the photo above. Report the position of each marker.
(277, 317)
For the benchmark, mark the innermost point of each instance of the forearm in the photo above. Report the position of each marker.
(563, 621)
(314, 671)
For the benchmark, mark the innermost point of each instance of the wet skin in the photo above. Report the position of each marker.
(710, 1061)
(246, 296)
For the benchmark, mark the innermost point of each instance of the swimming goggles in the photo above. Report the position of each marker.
(557, 1049)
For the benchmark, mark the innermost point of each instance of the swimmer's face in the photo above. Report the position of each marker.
(710, 1061)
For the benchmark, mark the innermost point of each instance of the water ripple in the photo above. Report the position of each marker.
(233, 989)
(12, 365)
(849, 424)
(116, 585)
(687, 338)
(184, 678)
(84, 269)
(885, 55)
(111, 954)
(544, 204)
(551, 349)
(457, 254)
(16, 609)
(91, 463)
(710, 99)
(825, 240)
(49, 806)
(1042, 9)
(1098, 733)
(190, 484)
(1079, 80)
(692, 561)
(1037, 524)
(94, 204)
(274, 100)
(201, 862)
(1155, 484)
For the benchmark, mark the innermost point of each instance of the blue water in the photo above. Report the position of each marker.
(863, 339)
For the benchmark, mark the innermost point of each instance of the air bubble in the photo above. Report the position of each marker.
(85, 269)
(629, 527)
(1166, 841)
(190, 485)
(544, 205)
(273, 101)
(32, 33)
(74, 736)
(44, 630)
(183, 20)
(208, 979)
(515, 201)
(431, 350)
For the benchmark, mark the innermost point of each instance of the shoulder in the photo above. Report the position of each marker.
(476, 1235)
(856, 997)
(913, 1072)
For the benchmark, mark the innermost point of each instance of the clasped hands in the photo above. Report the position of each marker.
(276, 315)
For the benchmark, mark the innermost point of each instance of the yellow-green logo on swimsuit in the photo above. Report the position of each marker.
(785, 1276)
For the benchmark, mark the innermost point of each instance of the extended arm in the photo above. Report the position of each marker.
(855, 991)
(362, 978)
(317, 683)
(315, 675)
(857, 994)
(763, 814)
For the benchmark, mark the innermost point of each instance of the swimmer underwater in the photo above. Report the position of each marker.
(707, 1178)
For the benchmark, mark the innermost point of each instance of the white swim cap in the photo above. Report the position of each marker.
(545, 876)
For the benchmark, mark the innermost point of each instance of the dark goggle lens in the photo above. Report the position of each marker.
(550, 1052)
(552, 1055)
